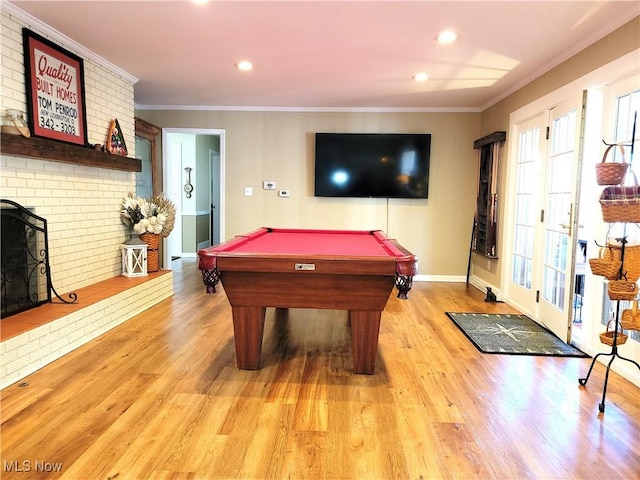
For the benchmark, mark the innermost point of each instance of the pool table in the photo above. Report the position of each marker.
(352, 270)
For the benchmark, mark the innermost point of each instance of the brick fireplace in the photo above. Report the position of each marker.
(79, 191)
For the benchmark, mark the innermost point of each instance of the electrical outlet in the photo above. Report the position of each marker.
(269, 185)
(284, 193)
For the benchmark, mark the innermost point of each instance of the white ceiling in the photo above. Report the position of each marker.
(331, 54)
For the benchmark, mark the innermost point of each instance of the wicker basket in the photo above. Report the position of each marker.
(153, 245)
(622, 290)
(606, 265)
(621, 204)
(610, 336)
(611, 173)
(631, 267)
(630, 319)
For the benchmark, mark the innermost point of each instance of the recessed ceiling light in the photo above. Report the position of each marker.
(244, 65)
(200, 2)
(421, 77)
(447, 36)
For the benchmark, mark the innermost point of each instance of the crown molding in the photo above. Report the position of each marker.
(310, 109)
(54, 35)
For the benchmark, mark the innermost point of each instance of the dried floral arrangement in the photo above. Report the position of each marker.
(148, 215)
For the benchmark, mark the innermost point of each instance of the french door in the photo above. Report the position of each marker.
(545, 237)
(524, 267)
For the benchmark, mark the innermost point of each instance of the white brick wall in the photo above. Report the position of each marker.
(30, 351)
(82, 208)
(81, 204)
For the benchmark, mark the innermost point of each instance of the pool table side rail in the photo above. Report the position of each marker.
(319, 264)
(406, 262)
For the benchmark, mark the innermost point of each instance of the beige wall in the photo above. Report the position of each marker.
(622, 41)
(279, 146)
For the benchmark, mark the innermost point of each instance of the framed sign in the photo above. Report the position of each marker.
(54, 80)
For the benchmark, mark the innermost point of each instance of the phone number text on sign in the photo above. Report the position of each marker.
(57, 101)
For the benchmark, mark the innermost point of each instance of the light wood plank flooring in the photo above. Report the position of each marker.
(159, 397)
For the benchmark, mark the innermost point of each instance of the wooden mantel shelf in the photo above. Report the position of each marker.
(52, 150)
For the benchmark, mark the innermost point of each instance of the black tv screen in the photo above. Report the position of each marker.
(391, 165)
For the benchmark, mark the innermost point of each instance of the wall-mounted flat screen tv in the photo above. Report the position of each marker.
(391, 165)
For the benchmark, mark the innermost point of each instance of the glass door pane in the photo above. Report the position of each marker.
(558, 209)
(525, 197)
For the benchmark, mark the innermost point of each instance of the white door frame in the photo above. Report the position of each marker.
(167, 181)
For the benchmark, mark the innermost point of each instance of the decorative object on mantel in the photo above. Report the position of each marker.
(134, 257)
(149, 218)
(115, 140)
(54, 79)
(14, 123)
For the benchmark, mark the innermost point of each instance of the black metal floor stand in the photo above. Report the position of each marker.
(614, 354)
(622, 274)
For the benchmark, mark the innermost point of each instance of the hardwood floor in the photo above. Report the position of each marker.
(160, 397)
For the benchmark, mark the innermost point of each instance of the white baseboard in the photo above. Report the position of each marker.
(625, 369)
(482, 286)
(439, 278)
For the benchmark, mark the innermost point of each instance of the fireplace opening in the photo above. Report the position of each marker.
(25, 276)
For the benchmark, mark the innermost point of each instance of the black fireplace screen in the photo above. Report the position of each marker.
(24, 260)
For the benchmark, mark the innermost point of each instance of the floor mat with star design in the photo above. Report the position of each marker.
(511, 334)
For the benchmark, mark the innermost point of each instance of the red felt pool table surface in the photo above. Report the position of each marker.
(314, 242)
(352, 270)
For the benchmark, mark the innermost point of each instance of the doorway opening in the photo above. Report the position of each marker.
(193, 175)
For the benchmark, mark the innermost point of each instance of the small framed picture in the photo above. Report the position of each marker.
(54, 79)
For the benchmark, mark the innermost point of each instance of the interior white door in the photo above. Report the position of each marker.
(558, 217)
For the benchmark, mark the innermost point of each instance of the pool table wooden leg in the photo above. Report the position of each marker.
(248, 327)
(365, 327)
